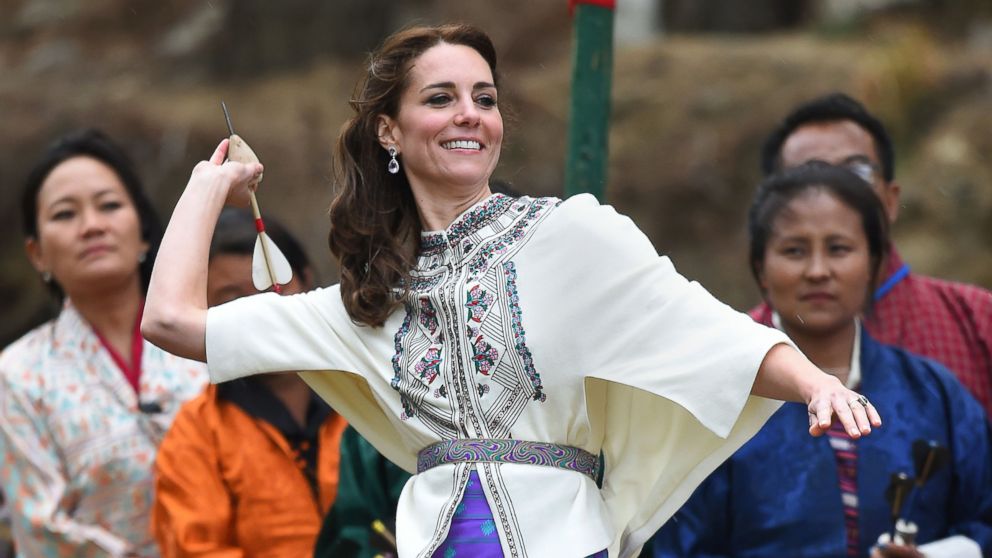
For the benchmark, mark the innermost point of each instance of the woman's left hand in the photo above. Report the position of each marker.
(830, 398)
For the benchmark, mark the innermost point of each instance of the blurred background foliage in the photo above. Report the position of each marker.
(697, 85)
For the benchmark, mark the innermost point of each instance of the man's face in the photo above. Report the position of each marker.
(843, 143)
(229, 277)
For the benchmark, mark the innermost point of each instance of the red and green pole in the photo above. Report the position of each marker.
(589, 114)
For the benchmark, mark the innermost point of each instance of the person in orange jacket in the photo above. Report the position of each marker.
(249, 467)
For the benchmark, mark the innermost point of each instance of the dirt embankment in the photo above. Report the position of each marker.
(688, 117)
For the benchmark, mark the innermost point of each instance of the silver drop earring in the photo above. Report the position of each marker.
(46, 276)
(142, 256)
(394, 166)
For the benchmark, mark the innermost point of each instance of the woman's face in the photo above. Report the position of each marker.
(89, 232)
(448, 129)
(817, 267)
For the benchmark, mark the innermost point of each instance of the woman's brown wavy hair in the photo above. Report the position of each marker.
(375, 227)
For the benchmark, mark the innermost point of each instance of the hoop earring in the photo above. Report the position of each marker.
(394, 166)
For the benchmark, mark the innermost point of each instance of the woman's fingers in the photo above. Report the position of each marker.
(238, 179)
(873, 417)
(220, 153)
(814, 425)
(820, 413)
(852, 415)
(856, 414)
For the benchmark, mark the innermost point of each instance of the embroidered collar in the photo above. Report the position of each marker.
(132, 371)
(472, 220)
(489, 230)
(74, 338)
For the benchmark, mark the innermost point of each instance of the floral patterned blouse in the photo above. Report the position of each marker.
(77, 443)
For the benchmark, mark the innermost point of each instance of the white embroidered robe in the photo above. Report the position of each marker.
(531, 319)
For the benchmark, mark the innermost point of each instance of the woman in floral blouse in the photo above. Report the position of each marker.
(84, 400)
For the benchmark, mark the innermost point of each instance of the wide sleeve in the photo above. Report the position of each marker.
(312, 333)
(669, 368)
(273, 333)
(639, 322)
(35, 482)
(192, 514)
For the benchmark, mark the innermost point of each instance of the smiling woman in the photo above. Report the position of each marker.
(496, 346)
(450, 128)
(85, 399)
(430, 103)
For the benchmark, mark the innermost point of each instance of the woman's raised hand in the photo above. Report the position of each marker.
(175, 315)
(220, 172)
(830, 398)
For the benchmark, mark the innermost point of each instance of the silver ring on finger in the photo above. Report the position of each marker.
(861, 400)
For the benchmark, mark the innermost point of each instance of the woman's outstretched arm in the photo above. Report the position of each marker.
(175, 314)
(788, 375)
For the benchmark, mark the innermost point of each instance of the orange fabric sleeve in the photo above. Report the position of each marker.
(192, 514)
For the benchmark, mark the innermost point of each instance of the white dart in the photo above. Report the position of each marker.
(269, 267)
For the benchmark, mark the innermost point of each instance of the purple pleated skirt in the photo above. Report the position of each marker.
(473, 529)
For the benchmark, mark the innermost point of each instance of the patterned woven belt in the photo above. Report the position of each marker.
(485, 450)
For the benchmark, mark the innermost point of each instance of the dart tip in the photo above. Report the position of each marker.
(227, 117)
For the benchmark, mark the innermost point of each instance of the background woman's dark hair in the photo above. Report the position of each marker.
(92, 143)
(776, 191)
(375, 228)
(235, 234)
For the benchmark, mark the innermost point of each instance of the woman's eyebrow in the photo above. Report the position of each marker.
(451, 85)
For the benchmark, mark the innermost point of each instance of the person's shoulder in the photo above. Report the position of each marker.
(201, 405)
(971, 295)
(925, 370)
(762, 313)
(321, 301)
(583, 218)
(524, 211)
(20, 359)
(583, 207)
(197, 415)
(324, 299)
(943, 381)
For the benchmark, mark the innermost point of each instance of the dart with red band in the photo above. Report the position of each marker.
(260, 229)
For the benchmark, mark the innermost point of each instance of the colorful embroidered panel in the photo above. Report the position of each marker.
(463, 314)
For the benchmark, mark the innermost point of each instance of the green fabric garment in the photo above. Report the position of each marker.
(369, 489)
